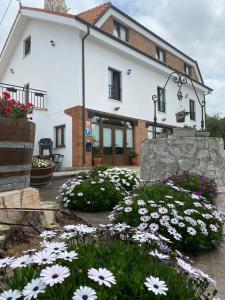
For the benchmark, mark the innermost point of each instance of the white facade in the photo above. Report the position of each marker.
(58, 70)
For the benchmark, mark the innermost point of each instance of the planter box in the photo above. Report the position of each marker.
(41, 176)
(202, 133)
(183, 132)
(16, 150)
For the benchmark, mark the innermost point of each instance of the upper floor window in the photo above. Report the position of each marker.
(120, 31)
(114, 84)
(161, 55)
(161, 99)
(187, 69)
(27, 46)
(60, 136)
(192, 110)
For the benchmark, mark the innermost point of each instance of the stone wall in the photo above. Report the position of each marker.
(201, 155)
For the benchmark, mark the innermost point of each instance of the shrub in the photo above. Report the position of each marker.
(108, 267)
(197, 184)
(14, 109)
(191, 225)
(98, 169)
(91, 194)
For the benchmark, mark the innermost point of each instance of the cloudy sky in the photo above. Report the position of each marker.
(197, 27)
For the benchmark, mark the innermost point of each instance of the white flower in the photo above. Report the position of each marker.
(142, 211)
(102, 189)
(128, 209)
(177, 236)
(168, 197)
(181, 224)
(68, 255)
(144, 237)
(21, 262)
(48, 234)
(179, 203)
(158, 287)
(163, 210)
(55, 274)
(84, 292)
(213, 227)
(5, 262)
(156, 253)
(145, 218)
(142, 226)
(80, 194)
(102, 276)
(44, 257)
(187, 267)
(128, 201)
(174, 221)
(155, 215)
(153, 227)
(121, 227)
(164, 222)
(33, 289)
(10, 295)
(141, 202)
(191, 231)
(55, 247)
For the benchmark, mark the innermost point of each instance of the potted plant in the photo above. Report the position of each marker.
(186, 131)
(96, 156)
(41, 172)
(180, 116)
(133, 155)
(17, 135)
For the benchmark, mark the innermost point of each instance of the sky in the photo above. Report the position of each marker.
(196, 27)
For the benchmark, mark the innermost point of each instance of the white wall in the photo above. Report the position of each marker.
(137, 88)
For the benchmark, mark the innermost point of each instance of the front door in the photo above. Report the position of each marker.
(113, 145)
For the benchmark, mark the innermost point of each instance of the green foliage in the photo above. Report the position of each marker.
(216, 126)
(195, 183)
(98, 169)
(192, 226)
(90, 195)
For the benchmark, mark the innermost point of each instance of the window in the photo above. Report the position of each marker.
(27, 46)
(161, 55)
(114, 84)
(187, 69)
(192, 110)
(120, 31)
(161, 99)
(60, 136)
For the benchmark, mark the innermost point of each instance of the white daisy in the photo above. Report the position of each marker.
(141, 202)
(68, 255)
(187, 267)
(55, 274)
(44, 257)
(213, 227)
(142, 211)
(142, 226)
(10, 295)
(33, 289)
(156, 253)
(102, 276)
(128, 209)
(158, 287)
(164, 222)
(163, 210)
(174, 221)
(21, 262)
(145, 218)
(191, 231)
(168, 197)
(55, 247)
(102, 189)
(48, 234)
(155, 215)
(80, 194)
(181, 224)
(84, 293)
(121, 227)
(153, 227)
(5, 262)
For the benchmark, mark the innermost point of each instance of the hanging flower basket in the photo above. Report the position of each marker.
(180, 116)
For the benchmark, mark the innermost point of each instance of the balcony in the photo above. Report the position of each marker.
(25, 95)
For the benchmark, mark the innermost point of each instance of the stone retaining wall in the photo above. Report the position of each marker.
(202, 155)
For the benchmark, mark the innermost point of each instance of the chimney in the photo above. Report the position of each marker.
(56, 5)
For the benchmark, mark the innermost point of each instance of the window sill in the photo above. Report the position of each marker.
(59, 147)
(115, 100)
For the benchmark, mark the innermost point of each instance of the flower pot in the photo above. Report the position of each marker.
(134, 161)
(202, 133)
(180, 118)
(183, 132)
(16, 150)
(96, 161)
(41, 176)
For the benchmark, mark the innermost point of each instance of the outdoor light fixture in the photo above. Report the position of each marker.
(164, 119)
(129, 71)
(12, 71)
(52, 43)
(116, 108)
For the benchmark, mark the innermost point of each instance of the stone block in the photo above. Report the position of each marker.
(30, 198)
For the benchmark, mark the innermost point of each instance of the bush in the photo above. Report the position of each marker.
(191, 225)
(98, 169)
(60, 269)
(197, 184)
(90, 195)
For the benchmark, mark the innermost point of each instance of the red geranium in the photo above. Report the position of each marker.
(6, 95)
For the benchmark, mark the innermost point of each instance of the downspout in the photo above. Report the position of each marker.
(83, 94)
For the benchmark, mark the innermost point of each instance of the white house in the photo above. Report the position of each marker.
(91, 78)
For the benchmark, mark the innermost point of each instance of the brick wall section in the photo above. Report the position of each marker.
(145, 45)
(77, 137)
(140, 134)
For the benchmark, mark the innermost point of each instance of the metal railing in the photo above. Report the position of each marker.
(114, 93)
(25, 95)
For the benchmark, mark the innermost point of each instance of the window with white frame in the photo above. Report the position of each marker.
(114, 84)
(161, 99)
(192, 110)
(60, 136)
(160, 54)
(27, 46)
(187, 69)
(120, 31)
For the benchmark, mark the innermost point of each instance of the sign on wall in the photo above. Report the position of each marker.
(88, 131)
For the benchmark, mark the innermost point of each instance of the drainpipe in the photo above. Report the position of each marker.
(83, 93)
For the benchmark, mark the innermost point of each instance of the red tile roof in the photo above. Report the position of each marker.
(93, 15)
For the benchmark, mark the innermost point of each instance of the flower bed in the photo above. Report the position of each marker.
(195, 183)
(191, 225)
(106, 268)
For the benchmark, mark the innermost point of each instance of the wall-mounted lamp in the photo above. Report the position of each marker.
(164, 119)
(129, 71)
(52, 43)
(12, 71)
(116, 108)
